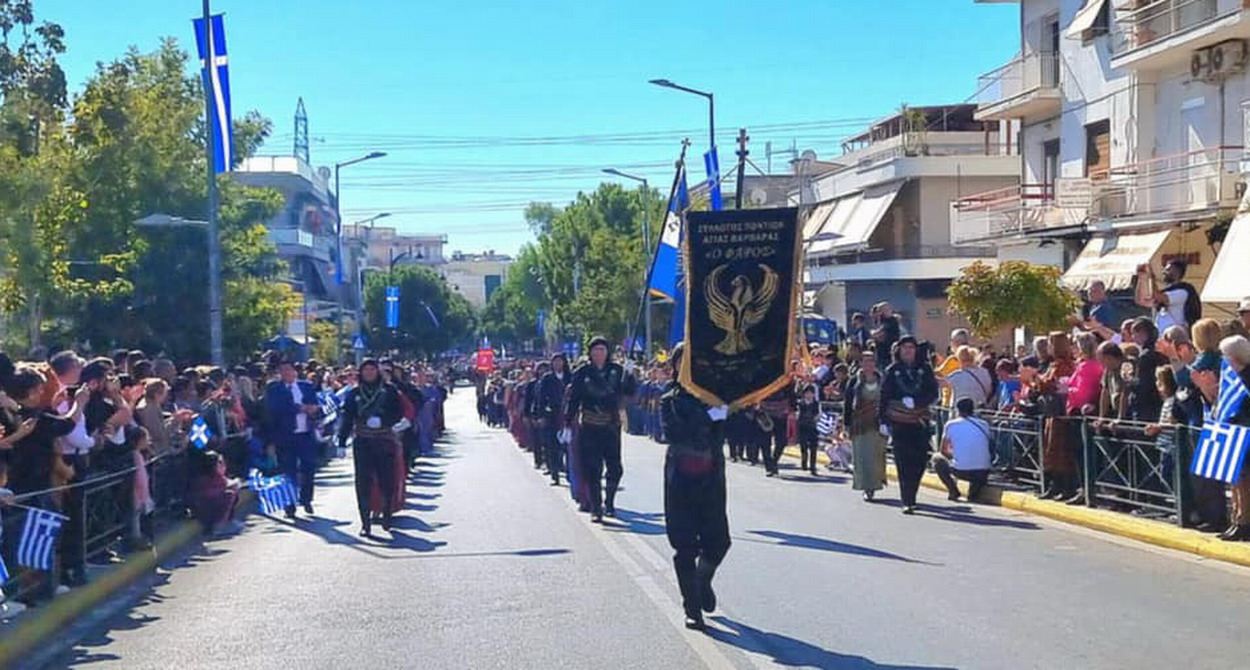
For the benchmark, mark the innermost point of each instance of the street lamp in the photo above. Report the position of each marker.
(338, 219)
(711, 106)
(646, 244)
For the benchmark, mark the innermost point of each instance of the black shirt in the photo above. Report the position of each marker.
(31, 459)
(599, 390)
(367, 401)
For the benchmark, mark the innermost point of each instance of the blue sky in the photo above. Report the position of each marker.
(446, 87)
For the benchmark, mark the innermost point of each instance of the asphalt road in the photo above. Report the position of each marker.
(490, 567)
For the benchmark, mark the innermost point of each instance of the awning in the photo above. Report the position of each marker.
(816, 216)
(835, 223)
(1084, 19)
(1114, 260)
(1227, 281)
(863, 221)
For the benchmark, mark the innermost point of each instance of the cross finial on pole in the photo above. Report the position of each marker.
(742, 161)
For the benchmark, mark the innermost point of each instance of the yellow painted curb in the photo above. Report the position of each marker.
(44, 622)
(1115, 523)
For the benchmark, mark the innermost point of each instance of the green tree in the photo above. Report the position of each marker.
(418, 333)
(591, 259)
(1014, 294)
(511, 313)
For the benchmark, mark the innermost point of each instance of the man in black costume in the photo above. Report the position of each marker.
(595, 396)
(373, 414)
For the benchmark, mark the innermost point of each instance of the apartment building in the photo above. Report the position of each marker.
(1132, 125)
(878, 223)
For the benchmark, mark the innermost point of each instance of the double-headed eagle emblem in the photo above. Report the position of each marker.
(743, 309)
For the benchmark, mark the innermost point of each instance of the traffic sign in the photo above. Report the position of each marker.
(358, 342)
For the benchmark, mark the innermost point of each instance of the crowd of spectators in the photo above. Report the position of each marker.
(107, 441)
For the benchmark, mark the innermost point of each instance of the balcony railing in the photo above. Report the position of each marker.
(1162, 19)
(898, 253)
(1003, 212)
(1192, 182)
(1028, 73)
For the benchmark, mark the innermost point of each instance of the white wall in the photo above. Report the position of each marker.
(1092, 92)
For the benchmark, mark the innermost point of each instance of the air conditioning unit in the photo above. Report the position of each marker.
(1219, 61)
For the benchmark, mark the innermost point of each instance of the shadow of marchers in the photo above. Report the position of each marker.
(821, 544)
(401, 540)
(414, 523)
(789, 651)
(960, 514)
(642, 523)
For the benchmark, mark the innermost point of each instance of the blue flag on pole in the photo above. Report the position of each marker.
(433, 319)
(275, 493)
(712, 163)
(329, 407)
(215, 70)
(665, 266)
(541, 326)
(200, 433)
(392, 306)
(37, 546)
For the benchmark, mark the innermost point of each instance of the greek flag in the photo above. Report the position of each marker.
(38, 544)
(1222, 447)
(826, 424)
(666, 265)
(329, 407)
(712, 163)
(392, 306)
(200, 433)
(275, 493)
(214, 67)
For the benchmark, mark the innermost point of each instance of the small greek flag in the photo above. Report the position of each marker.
(329, 406)
(4, 572)
(826, 424)
(1221, 452)
(200, 434)
(38, 544)
(275, 493)
(1232, 394)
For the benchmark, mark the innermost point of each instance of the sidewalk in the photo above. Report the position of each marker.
(1116, 523)
(34, 628)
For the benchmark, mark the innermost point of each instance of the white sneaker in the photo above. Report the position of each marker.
(61, 589)
(10, 610)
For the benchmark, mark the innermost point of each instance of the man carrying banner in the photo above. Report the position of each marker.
(694, 494)
(373, 415)
(596, 393)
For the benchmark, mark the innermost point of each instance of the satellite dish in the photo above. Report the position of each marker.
(809, 155)
(324, 172)
(758, 196)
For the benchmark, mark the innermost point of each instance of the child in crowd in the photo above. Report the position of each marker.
(809, 412)
(213, 496)
(139, 442)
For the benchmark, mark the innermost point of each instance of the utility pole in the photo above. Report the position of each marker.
(742, 162)
(214, 241)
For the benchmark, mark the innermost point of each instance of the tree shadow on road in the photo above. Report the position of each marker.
(821, 544)
(788, 651)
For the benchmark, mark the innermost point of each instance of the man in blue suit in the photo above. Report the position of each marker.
(292, 409)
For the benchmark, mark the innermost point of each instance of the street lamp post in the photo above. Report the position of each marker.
(338, 220)
(711, 106)
(646, 244)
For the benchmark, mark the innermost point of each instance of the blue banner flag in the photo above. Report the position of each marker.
(215, 70)
(541, 326)
(275, 493)
(37, 546)
(712, 163)
(200, 434)
(666, 265)
(392, 306)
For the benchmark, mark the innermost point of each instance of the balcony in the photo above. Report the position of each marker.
(1189, 186)
(1004, 213)
(905, 252)
(1026, 87)
(1161, 34)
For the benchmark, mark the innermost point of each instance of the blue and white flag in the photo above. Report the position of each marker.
(712, 163)
(275, 493)
(666, 265)
(1222, 447)
(329, 407)
(826, 424)
(215, 70)
(4, 569)
(392, 306)
(37, 547)
(200, 433)
(541, 326)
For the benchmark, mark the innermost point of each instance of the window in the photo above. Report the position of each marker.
(1050, 167)
(1098, 149)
